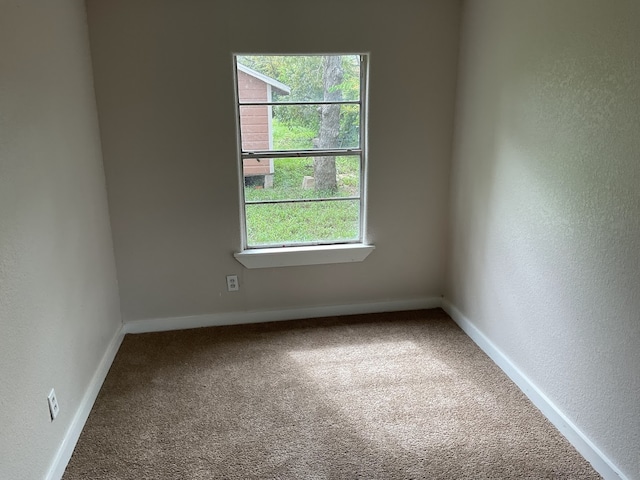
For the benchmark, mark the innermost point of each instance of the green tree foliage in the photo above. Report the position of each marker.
(304, 75)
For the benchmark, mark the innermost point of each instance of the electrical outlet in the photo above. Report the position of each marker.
(232, 283)
(54, 409)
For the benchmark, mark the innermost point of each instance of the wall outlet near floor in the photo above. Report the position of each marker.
(232, 283)
(54, 409)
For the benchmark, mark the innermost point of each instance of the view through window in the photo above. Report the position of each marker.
(301, 131)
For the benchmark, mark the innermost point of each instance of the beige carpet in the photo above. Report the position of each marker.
(387, 396)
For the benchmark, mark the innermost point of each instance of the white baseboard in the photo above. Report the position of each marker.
(63, 455)
(579, 440)
(260, 316)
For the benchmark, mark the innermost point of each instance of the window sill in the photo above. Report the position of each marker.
(296, 256)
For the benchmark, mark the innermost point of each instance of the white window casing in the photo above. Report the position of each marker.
(308, 251)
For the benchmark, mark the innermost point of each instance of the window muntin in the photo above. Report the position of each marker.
(289, 210)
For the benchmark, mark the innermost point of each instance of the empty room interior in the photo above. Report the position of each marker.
(502, 186)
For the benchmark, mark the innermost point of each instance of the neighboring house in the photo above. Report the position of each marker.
(256, 123)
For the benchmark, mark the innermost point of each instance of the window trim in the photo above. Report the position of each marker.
(313, 253)
(303, 255)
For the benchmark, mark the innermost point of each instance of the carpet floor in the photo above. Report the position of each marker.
(403, 395)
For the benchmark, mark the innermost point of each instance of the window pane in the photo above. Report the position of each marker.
(290, 223)
(297, 127)
(312, 198)
(298, 78)
(293, 178)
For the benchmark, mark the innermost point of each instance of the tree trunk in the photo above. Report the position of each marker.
(324, 168)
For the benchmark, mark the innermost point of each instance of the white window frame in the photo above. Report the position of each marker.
(317, 252)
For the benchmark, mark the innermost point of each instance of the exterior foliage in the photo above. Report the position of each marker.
(305, 76)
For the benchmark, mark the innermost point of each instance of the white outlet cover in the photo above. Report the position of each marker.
(232, 283)
(54, 409)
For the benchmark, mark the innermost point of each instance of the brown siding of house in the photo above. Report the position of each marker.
(254, 122)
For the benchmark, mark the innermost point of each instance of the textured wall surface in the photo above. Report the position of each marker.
(58, 294)
(164, 85)
(545, 256)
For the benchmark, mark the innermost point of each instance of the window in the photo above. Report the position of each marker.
(301, 133)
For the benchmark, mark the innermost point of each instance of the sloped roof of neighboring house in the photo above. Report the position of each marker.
(281, 87)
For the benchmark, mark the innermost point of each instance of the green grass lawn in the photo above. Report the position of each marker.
(302, 223)
(329, 221)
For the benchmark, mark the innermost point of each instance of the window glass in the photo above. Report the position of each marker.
(301, 124)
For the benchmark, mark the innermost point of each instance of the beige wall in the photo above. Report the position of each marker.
(545, 257)
(545, 204)
(58, 295)
(164, 82)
